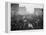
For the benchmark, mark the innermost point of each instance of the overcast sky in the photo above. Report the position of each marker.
(30, 7)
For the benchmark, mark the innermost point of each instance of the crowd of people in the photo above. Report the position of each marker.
(24, 22)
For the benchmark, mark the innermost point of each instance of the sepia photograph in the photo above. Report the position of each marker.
(26, 16)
